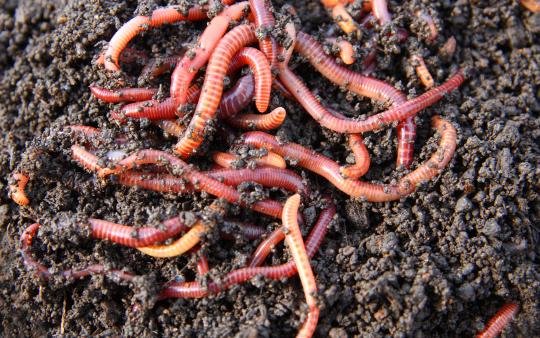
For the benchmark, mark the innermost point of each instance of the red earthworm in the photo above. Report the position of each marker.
(85, 130)
(346, 50)
(227, 160)
(157, 109)
(198, 179)
(380, 11)
(136, 237)
(361, 158)
(171, 127)
(498, 322)
(296, 245)
(260, 67)
(212, 90)
(406, 133)
(329, 169)
(157, 66)
(231, 229)
(195, 290)
(355, 82)
(428, 19)
(16, 191)
(43, 272)
(268, 177)
(532, 5)
(266, 246)
(438, 160)
(189, 65)
(264, 23)
(269, 121)
(178, 247)
(351, 126)
(85, 158)
(139, 23)
(128, 55)
(237, 98)
(202, 265)
(422, 71)
(123, 94)
(344, 20)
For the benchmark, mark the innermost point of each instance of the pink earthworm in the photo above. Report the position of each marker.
(16, 191)
(264, 22)
(380, 11)
(497, 324)
(202, 265)
(258, 63)
(136, 237)
(186, 69)
(157, 66)
(229, 45)
(237, 98)
(195, 290)
(406, 133)
(270, 121)
(226, 160)
(372, 192)
(128, 55)
(123, 94)
(346, 50)
(361, 158)
(171, 127)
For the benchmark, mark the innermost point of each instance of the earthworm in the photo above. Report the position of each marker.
(212, 90)
(428, 19)
(269, 121)
(123, 94)
(226, 160)
(372, 192)
(532, 5)
(406, 134)
(196, 178)
(187, 68)
(264, 22)
(202, 265)
(195, 290)
(84, 130)
(378, 90)
(266, 246)
(171, 127)
(184, 243)
(178, 247)
(332, 3)
(362, 160)
(350, 126)
(344, 20)
(139, 23)
(85, 158)
(293, 239)
(422, 71)
(380, 11)
(128, 55)
(498, 322)
(158, 109)
(157, 66)
(16, 191)
(231, 229)
(346, 50)
(43, 272)
(258, 63)
(136, 237)
(277, 85)
(237, 98)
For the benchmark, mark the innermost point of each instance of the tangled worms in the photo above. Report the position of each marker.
(499, 321)
(16, 191)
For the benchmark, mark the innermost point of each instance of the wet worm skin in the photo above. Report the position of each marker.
(196, 178)
(123, 94)
(264, 22)
(344, 19)
(226, 160)
(237, 98)
(136, 237)
(346, 52)
(178, 247)
(195, 290)
(329, 169)
(377, 121)
(130, 29)
(202, 265)
(189, 65)
(16, 191)
(86, 159)
(294, 241)
(406, 133)
(270, 121)
(422, 71)
(258, 63)
(361, 158)
(128, 55)
(212, 90)
(497, 324)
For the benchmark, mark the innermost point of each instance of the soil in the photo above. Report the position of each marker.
(440, 262)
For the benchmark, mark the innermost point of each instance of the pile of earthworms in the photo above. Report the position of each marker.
(224, 48)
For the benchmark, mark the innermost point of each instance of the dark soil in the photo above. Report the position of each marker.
(437, 263)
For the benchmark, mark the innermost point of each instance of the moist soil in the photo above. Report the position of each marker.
(439, 262)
